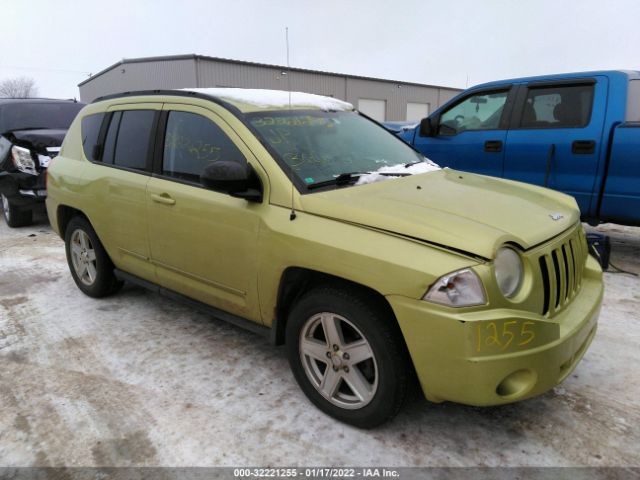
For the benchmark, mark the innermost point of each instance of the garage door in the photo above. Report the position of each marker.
(417, 111)
(373, 108)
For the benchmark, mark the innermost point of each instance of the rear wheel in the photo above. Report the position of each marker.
(13, 216)
(348, 356)
(88, 261)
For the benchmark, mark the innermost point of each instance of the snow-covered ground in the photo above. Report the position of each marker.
(137, 379)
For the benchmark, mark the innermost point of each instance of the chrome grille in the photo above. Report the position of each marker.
(561, 268)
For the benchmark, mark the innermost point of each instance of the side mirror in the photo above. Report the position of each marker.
(236, 179)
(428, 127)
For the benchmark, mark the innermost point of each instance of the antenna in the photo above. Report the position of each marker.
(292, 215)
(286, 33)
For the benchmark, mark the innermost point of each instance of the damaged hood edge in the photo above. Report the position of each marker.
(463, 212)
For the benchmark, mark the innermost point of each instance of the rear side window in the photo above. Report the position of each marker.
(557, 107)
(633, 102)
(133, 139)
(90, 129)
(191, 143)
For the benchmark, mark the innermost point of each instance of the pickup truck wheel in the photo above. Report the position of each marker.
(88, 261)
(348, 356)
(13, 216)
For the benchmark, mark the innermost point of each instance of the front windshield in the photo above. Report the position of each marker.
(21, 116)
(319, 145)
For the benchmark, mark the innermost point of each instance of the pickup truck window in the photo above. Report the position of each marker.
(477, 112)
(191, 143)
(633, 102)
(557, 107)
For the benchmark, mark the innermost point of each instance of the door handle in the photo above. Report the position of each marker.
(165, 199)
(583, 146)
(493, 146)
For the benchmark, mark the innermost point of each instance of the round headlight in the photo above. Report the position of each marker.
(508, 270)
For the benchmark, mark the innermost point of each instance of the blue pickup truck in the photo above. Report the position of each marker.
(578, 133)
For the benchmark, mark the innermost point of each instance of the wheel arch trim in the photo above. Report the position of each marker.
(295, 281)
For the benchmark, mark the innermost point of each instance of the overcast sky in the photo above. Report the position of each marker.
(59, 43)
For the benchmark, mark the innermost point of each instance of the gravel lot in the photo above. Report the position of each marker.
(137, 379)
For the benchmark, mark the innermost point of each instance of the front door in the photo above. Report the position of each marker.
(470, 134)
(204, 243)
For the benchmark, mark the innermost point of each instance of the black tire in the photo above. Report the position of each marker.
(373, 321)
(13, 215)
(104, 281)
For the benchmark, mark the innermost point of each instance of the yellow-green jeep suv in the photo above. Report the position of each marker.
(295, 216)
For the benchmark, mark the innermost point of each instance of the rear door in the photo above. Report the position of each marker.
(555, 137)
(621, 194)
(470, 134)
(119, 182)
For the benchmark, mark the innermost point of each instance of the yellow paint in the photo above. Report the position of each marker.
(491, 335)
(396, 238)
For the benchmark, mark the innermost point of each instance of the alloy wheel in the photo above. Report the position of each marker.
(338, 360)
(83, 257)
(6, 208)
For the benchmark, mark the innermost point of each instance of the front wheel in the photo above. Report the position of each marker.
(13, 216)
(348, 356)
(88, 261)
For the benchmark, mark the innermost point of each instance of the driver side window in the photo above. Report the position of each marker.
(477, 112)
(191, 143)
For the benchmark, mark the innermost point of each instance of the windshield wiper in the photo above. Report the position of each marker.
(352, 177)
(339, 180)
(410, 164)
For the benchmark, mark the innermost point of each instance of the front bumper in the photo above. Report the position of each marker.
(22, 189)
(491, 357)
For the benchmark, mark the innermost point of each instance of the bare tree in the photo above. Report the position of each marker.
(19, 87)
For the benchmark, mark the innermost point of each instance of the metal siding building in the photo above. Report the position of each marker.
(382, 99)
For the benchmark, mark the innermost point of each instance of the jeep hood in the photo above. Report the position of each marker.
(40, 138)
(458, 210)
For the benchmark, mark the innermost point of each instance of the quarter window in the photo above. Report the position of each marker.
(482, 111)
(191, 143)
(90, 129)
(557, 107)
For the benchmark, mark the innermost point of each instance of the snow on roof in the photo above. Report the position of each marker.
(267, 99)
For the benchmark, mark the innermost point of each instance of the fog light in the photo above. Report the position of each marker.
(517, 383)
